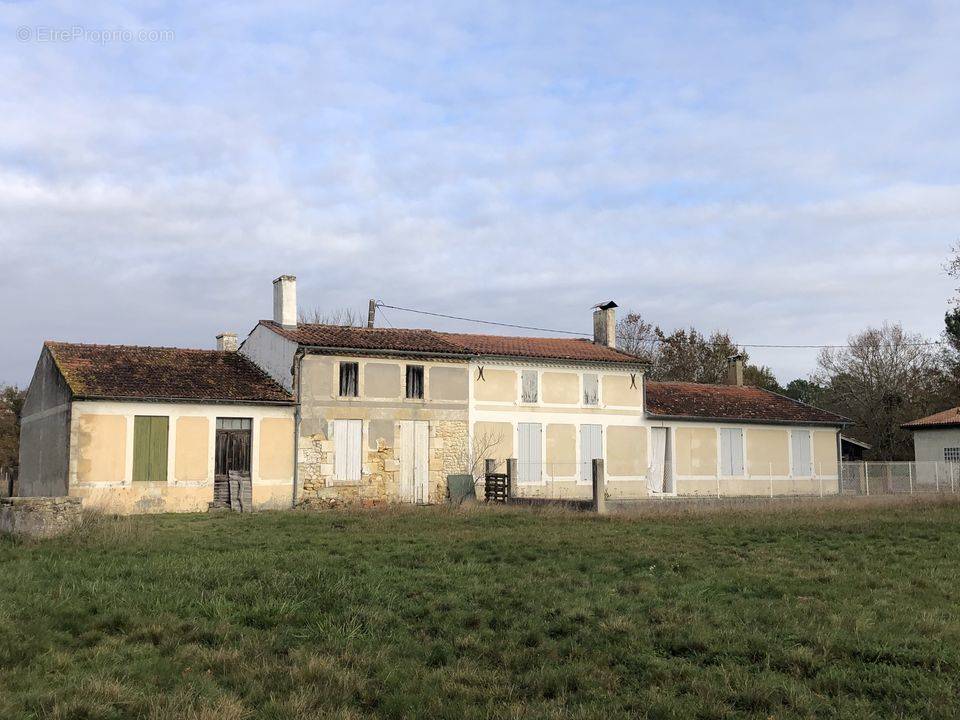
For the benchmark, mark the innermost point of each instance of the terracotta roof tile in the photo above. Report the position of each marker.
(947, 418)
(731, 402)
(464, 344)
(155, 373)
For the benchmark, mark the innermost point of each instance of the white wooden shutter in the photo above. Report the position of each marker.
(800, 447)
(347, 438)
(591, 448)
(658, 437)
(529, 457)
(422, 462)
(731, 452)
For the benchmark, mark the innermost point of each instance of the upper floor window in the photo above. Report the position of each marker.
(591, 389)
(349, 379)
(529, 389)
(415, 382)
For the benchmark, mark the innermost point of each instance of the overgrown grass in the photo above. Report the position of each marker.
(802, 611)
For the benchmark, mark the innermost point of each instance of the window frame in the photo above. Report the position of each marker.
(423, 382)
(583, 395)
(529, 373)
(344, 380)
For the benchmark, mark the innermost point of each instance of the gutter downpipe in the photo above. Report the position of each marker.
(297, 366)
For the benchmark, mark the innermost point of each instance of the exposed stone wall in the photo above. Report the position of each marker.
(39, 517)
(380, 471)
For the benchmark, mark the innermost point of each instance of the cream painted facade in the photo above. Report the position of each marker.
(503, 423)
(693, 465)
(102, 455)
(767, 460)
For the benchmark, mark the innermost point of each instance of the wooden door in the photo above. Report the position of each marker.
(591, 448)
(414, 461)
(232, 459)
(529, 455)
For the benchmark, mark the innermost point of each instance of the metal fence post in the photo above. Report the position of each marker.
(936, 470)
(910, 472)
(599, 488)
(770, 476)
(820, 478)
(866, 476)
(512, 478)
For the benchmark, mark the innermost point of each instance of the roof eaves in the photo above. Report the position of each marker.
(746, 421)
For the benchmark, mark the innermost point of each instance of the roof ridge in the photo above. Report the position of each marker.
(121, 346)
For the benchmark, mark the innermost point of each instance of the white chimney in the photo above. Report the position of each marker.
(227, 341)
(605, 324)
(735, 370)
(285, 301)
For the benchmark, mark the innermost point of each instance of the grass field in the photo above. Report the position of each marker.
(815, 611)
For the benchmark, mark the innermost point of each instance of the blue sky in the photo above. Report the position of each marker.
(789, 174)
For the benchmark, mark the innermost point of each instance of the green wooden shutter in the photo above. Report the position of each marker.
(150, 448)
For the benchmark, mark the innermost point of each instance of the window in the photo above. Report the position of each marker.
(415, 382)
(951, 455)
(150, 448)
(233, 423)
(528, 392)
(800, 445)
(349, 372)
(731, 452)
(591, 389)
(346, 450)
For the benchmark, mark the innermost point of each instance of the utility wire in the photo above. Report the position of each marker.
(768, 346)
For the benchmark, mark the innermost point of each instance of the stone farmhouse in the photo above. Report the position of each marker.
(306, 413)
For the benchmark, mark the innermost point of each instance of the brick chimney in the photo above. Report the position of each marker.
(227, 341)
(285, 301)
(735, 370)
(605, 324)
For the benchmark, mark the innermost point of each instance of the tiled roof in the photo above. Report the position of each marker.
(158, 373)
(947, 418)
(464, 344)
(731, 402)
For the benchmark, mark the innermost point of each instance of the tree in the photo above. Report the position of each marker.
(687, 355)
(882, 379)
(11, 406)
(805, 391)
(339, 316)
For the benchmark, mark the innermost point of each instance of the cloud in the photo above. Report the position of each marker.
(785, 173)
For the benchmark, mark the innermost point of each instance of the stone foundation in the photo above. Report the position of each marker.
(380, 471)
(39, 517)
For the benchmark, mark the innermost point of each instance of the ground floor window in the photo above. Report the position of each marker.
(951, 455)
(150, 438)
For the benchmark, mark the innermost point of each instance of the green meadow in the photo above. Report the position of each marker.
(794, 611)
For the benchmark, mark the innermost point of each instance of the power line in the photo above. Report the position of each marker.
(763, 346)
(483, 322)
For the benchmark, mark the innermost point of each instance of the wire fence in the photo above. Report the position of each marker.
(573, 481)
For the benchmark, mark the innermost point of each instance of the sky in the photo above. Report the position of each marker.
(787, 172)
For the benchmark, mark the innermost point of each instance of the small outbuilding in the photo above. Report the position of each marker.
(154, 429)
(936, 437)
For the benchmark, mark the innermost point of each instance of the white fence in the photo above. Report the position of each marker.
(572, 481)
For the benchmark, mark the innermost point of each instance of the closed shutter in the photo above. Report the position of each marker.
(529, 386)
(530, 459)
(731, 452)
(346, 450)
(800, 447)
(591, 448)
(150, 437)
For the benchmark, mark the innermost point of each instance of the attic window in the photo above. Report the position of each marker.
(349, 372)
(415, 382)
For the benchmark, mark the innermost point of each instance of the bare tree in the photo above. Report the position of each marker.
(344, 316)
(636, 336)
(482, 447)
(882, 379)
